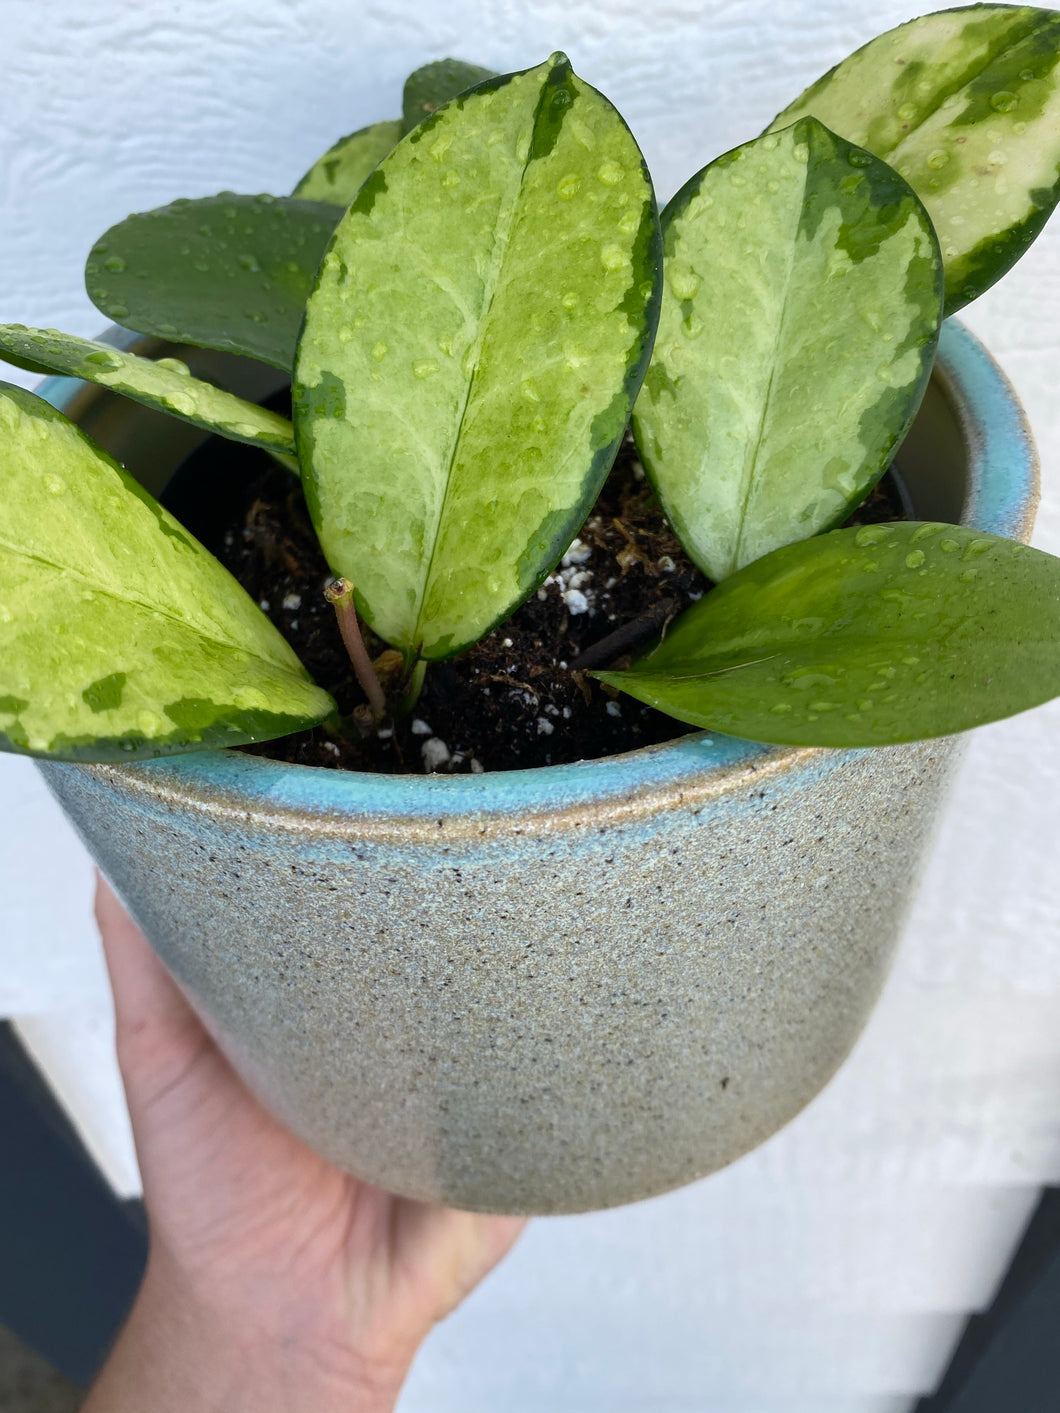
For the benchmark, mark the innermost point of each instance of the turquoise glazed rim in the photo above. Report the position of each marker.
(1002, 472)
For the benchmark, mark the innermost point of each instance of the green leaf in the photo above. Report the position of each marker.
(965, 104)
(339, 175)
(120, 636)
(165, 385)
(479, 329)
(228, 272)
(426, 89)
(800, 313)
(864, 637)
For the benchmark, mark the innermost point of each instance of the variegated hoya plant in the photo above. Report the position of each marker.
(473, 302)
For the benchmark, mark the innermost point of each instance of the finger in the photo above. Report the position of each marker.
(470, 1245)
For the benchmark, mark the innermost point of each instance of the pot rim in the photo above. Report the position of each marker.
(1003, 490)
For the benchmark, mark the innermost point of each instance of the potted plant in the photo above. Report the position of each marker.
(568, 986)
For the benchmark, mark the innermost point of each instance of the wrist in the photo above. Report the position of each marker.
(179, 1354)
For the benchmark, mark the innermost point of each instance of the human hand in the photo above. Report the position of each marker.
(274, 1282)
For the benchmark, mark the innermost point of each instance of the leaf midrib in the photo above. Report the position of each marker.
(130, 600)
(748, 479)
(501, 246)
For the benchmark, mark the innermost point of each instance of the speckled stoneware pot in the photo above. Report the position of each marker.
(547, 990)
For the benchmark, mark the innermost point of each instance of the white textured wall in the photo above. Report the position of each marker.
(830, 1271)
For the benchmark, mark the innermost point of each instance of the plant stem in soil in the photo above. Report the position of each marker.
(339, 593)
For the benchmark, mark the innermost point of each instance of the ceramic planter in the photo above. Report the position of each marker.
(547, 990)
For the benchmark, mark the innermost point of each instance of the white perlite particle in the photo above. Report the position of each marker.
(577, 578)
(576, 602)
(435, 754)
(578, 553)
(613, 709)
(292, 601)
(477, 768)
(420, 728)
(544, 726)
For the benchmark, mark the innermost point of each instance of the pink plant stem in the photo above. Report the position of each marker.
(339, 593)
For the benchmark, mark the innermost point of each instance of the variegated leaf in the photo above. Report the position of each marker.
(434, 84)
(479, 329)
(864, 637)
(120, 636)
(965, 104)
(801, 308)
(228, 272)
(165, 384)
(338, 176)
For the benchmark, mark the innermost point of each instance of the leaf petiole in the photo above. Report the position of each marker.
(413, 687)
(339, 593)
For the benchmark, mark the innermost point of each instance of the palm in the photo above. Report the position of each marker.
(254, 1220)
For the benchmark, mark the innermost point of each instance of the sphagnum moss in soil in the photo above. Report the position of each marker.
(518, 697)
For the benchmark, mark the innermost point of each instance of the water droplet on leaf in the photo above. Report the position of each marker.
(975, 548)
(684, 283)
(805, 678)
(871, 535)
(1003, 101)
(100, 358)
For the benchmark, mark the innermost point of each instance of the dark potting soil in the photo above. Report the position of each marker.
(518, 698)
